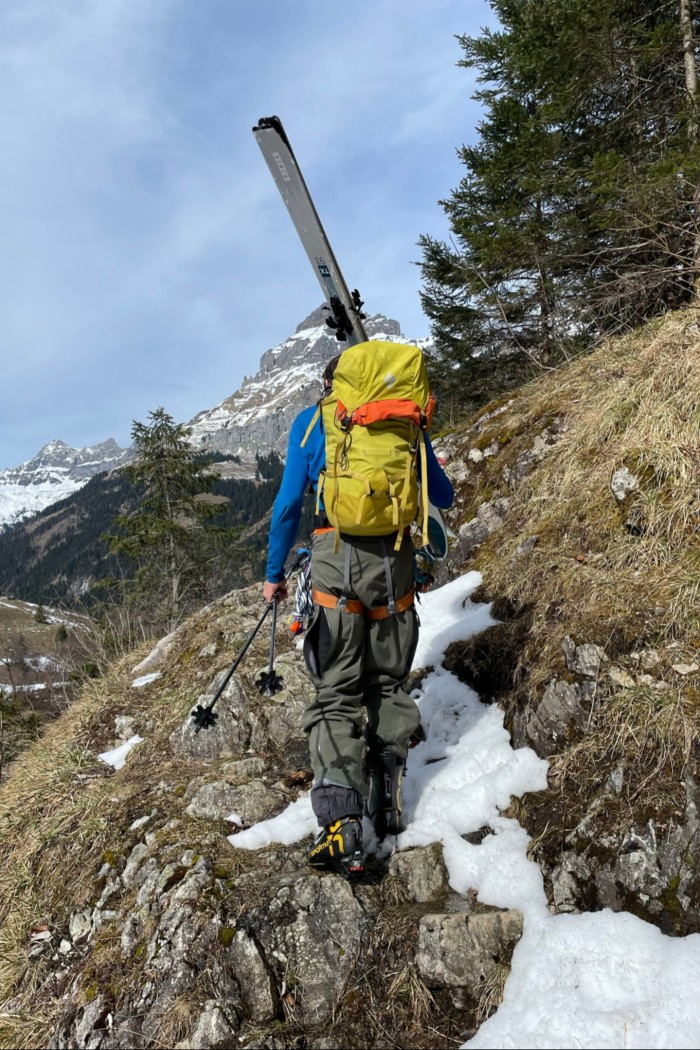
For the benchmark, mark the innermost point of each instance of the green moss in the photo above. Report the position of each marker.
(669, 898)
(110, 857)
(179, 791)
(220, 872)
(226, 935)
(501, 437)
(90, 991)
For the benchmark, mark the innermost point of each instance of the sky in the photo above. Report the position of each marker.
(148, 258)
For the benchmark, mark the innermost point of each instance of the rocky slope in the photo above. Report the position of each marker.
(165, 933)
(578, 500)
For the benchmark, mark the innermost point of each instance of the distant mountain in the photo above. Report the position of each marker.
(54, 473)
(254, 420)
(258, 417)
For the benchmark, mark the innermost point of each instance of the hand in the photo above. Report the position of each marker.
(274, 592)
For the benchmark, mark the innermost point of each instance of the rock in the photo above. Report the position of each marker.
(133, 863)
(616, 779)
(588, 659)
(250, 802)
(227, 736)
(157, 655)
(567, 879)
(253, 977)
(423, 872)
(313, 930)
(208, 651)
(569, 647)
(488, 519)
(241, 725)
(244, 769)
(475, 455)
(560, 715)
(125, 726)
(459, 952)
(620, 677)
(213, 1029)
(79, 926)
(654, 872)
(622, 483)
(648, 659)
(583, 659)
(526, 546)
(685, 669)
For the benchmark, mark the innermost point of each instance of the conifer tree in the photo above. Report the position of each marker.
(171, 536)
(578, 212)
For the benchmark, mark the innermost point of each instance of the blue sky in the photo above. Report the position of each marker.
(148, 257)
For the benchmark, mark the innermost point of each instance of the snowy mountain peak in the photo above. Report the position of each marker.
(55, 472)
(257, 417)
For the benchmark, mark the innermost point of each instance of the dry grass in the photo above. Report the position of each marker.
(622, 576)
(62, 813)
(492, 994)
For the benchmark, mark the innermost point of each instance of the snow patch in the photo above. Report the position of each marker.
(117, 757)
(146, 679)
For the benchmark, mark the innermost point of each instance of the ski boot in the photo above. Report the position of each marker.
(339, 848)
(386, 770)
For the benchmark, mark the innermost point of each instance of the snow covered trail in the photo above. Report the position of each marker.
(600, 980)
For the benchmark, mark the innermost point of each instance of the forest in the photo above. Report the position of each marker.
(577, 213)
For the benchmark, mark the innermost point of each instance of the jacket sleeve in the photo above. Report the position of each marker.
(286, 512)
(440, 488)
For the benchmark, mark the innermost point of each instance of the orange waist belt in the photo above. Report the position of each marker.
(356, 607)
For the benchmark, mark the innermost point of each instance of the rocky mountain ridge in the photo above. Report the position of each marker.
(257, 418)
(55, 472)
(253, 420)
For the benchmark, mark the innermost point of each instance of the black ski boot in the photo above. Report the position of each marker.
(339, 848)
(386, 770)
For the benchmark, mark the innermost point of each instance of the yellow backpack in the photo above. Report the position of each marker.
(374, 422)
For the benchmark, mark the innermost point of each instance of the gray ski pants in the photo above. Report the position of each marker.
(358, 667)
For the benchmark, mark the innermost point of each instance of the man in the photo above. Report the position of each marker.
(358, 651)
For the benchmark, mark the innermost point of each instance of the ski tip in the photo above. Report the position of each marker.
(265, 123)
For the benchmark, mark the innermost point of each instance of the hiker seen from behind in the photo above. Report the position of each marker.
(365, 452)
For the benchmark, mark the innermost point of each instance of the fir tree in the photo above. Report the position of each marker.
(171, 536)
(578, 212)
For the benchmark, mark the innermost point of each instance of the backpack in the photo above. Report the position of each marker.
(374, 422)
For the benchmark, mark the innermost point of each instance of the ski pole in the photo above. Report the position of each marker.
(270, 682)
(204, 717)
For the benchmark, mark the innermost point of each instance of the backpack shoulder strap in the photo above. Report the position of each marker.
(314, 420)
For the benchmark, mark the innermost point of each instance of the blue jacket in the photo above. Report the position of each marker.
(302, 470)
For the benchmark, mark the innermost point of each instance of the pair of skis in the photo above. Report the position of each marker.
(345, 317)
(345, 307)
